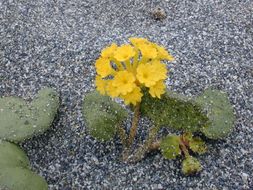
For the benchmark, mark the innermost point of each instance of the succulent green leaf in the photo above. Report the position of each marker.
(170, 146)
(175, 111)
(102, 116)
(191, 166)
(18, 178)
(219, 111)
(12, 156)
(21, 120)
(197, 145)
(187, 136)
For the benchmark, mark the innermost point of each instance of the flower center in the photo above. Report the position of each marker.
(145, 75)
(124, 81)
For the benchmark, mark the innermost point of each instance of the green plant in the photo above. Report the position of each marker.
(219, 111)
(12, 156)
(102, 116)
(15, 171)
(173, 146)
(122, 70)
(175, 111)
(21, 120)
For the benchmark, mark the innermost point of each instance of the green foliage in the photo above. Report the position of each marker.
(18, 178)
(102, 116)
(170, 146)
(21, 120)
(197, 145)
(175, 111)
(191, 165)
(219, 111)
(173, 146)
(12, 156)
(14, 170)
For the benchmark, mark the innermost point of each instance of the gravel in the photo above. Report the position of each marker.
(55, 43)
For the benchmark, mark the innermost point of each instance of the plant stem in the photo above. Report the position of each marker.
(122, 135)
(143, 60)
(129, 142)
(128, 65)
(134, 126)
(147, 146)
(183, 146)
(119, 65)
(154, 146)
(135, 61)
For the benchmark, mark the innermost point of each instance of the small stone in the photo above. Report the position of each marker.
(158, 13)
(245, 178)
(159, 186)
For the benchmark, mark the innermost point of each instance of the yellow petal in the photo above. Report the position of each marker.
(163, 53)
(103, 67)
(148, 51)
(133, 97)
(158, 89)
(138, 41)
(100, 85)
(146, 75)
(112, 90)
(109, 51)
(124, 52)
(160, 69)
(124, 81)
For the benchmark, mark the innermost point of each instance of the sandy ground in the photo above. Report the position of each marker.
(55, 44)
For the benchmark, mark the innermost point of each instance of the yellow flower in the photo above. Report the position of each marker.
(137, 41)
(163, 53)
(160, 70)
(112, 90)
(146, 75)
(158, 89)
(124, 52)
(124, 81)
(148, 51)
(100, 84)
(109, 51)
(123, 70)
(103, 67)
(133, 97)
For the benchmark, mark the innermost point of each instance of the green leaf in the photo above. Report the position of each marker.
(12, 156)
(170, 146)
(187, 136)
(197, 145)
(219, 111)
(191, 165)
(18, 178)
(173, 110)
(21, 120)
(102, 115)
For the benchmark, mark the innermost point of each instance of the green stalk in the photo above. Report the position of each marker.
(119, 65)
(122, 136)
(135, 61)
(134, 126)
(183, 147)
(143, 60)
(128, 65)
(154, 146)
(127, 150)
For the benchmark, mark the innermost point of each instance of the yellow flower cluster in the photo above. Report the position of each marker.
(123, 71)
